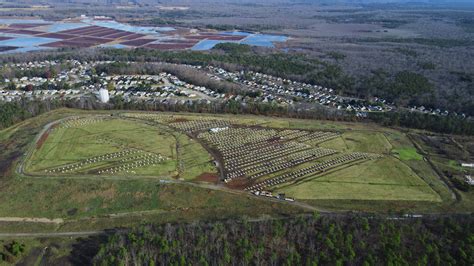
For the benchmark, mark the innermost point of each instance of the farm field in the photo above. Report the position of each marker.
(23, 35)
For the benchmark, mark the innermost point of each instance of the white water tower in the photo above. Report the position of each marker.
(104, 95)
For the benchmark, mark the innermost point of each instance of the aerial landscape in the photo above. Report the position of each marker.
(269, 132)
(23, 35)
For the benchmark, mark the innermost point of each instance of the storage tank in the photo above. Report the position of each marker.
(104, 95)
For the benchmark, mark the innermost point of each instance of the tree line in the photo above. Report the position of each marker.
(13, 112)
(304, 240)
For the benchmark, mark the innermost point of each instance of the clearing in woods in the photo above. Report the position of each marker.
(98, 165)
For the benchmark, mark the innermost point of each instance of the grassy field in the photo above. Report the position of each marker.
(382, 179)
(360, 141)
(194, 159)
(409, 153)
(68, 145)
(399, 179)
(387, 179)
(71, 199)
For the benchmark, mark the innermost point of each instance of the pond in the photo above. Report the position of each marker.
(264, 40)
(60, 26)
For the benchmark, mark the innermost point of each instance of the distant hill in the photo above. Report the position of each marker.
(444, 2)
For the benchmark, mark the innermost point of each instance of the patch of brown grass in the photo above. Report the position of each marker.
(208, 177)
(239, 183)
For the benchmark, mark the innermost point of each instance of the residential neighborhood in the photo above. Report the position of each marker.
(77, 79)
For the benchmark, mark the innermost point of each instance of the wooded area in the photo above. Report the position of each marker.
(11, 113)
(324, 240)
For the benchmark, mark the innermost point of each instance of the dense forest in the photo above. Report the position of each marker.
(306, 240)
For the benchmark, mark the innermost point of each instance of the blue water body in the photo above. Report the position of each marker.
(27, 44)
(236, 33)
(207, 44)
(21, 21)
(115, 45)
(263, 40)
(10, 35)
(27, 41)
(165, 28)
(59, 26)
(155, 31)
